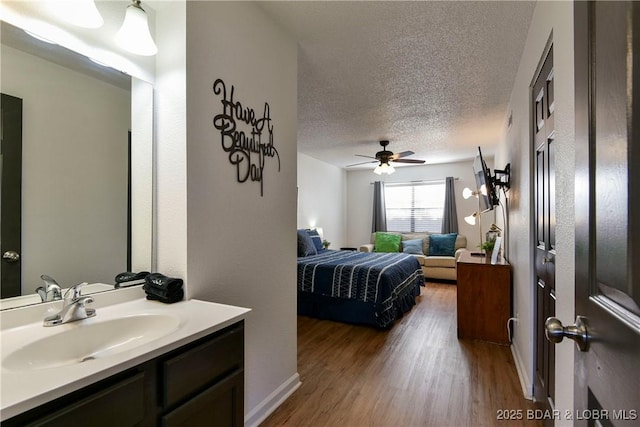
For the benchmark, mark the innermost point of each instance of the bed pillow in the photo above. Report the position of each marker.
(387, 242)
(316, 239)
(442, 244)
(413, 247)
(305, 245)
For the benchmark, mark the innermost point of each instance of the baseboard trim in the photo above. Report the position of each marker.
(527, 389)
(272, 402)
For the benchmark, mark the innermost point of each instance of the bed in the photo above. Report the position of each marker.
(358, 287)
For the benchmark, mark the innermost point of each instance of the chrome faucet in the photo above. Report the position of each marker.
(73, 308)
(51, 291)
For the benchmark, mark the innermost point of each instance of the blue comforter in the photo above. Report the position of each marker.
(358, 287)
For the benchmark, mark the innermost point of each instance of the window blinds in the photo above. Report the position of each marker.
(415, 206)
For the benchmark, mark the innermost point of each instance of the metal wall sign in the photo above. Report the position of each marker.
(245, 136)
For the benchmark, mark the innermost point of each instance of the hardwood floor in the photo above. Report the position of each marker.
(416, 374)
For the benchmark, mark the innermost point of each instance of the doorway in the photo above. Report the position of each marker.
(11, 199)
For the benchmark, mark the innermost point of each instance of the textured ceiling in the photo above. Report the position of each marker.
(431, 77)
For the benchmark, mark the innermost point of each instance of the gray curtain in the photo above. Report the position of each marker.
(449, 216)
(379, 212)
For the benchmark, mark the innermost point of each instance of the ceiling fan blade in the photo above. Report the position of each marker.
(362, 163)
(408, 161)
(368, 157)
(402, 154)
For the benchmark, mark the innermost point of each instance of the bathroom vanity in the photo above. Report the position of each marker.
(190, 371)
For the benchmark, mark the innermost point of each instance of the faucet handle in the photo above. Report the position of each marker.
(74, 292)
(49, 281)
(87, 299)
(51, 291)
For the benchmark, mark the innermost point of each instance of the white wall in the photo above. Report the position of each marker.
(360, 198)
(74, 169)
(548, 18)
(232, 245)
(322, 199)
(170, 105)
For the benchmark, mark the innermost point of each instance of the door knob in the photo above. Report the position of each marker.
(11, 256)
(555, 332)
(546, 260)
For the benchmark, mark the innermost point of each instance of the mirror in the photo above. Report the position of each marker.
(86, 168)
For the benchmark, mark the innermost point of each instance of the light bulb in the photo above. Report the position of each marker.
(466, 193)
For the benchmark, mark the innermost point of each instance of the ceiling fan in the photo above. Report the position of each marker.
(384, 157)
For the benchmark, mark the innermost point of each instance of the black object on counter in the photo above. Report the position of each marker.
(162, 288)
(130, 276)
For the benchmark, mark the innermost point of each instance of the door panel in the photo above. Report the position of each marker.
(10, 232)
(607, 66)
(544, 183)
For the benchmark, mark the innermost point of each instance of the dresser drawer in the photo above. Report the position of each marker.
(192, 370)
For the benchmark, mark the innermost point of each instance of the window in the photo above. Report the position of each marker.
(414, 206)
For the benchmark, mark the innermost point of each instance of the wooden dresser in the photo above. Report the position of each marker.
(484, 298)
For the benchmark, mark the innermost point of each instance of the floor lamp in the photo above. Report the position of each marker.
(474, 217)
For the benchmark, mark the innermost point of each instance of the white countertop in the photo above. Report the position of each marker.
(24, 390)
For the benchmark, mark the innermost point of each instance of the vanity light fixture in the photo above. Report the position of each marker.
(134, 35)
(82, 13)
(384, 167)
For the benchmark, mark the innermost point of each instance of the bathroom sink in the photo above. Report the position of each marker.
(85, 341)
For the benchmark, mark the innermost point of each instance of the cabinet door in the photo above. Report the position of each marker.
(192, 370)
(122, 404)
(220, 405)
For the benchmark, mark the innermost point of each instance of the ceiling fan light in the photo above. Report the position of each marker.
(378, 170)
(390, 169)
(134, 35)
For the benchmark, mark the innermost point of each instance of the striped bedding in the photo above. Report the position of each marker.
(358, 287)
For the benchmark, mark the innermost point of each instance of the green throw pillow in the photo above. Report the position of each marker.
(442, 244)
(387, 242)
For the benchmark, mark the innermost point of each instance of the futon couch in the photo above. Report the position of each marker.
(433, 266)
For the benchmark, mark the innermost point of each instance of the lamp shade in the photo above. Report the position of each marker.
(384, 167)
(471, 219)
(134, 35)
(467, 192)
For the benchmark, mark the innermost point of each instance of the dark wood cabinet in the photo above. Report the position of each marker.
(219, 405)
(198, 384)
(484, 299)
